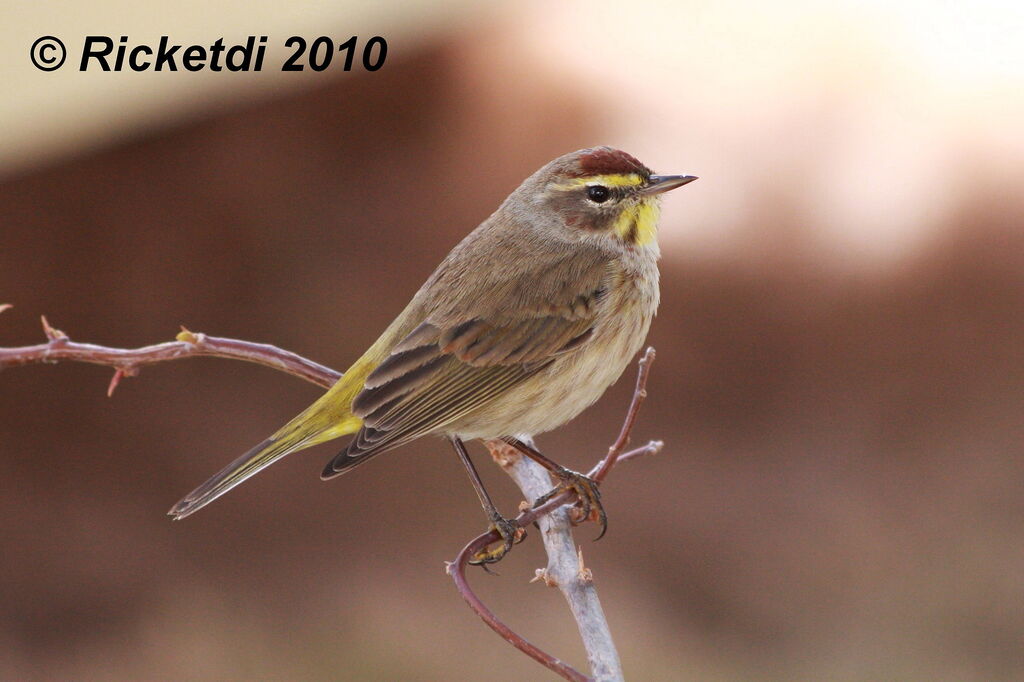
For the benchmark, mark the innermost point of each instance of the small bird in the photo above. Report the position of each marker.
(519, 329)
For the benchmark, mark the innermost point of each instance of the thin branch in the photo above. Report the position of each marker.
(565, 567)
(127, 362)
(457, 570)
(639, 395)
(553, 516)
(566, 571)
(652, 448)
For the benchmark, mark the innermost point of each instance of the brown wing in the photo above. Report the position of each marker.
(439, 373)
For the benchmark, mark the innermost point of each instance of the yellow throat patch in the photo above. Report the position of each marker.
(638, 224)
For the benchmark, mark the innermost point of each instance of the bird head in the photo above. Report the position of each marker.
(602, 193)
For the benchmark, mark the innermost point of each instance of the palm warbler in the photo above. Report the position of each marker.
(520, 328)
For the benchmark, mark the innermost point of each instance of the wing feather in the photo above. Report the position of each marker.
(449, 366)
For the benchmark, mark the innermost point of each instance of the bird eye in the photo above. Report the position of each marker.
(598, 193)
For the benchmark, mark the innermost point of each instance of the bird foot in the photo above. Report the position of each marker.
(588, 494)
(511, 534)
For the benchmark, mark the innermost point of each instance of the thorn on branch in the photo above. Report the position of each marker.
(503, 454)
(541, 574)
(114, 381)
(584, 574)
(51, 333)
(5, 306)
(187, 336)
(129, 371)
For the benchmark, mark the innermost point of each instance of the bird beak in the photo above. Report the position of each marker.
(663, 183)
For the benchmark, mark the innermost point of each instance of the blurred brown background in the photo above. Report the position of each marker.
(840, 344)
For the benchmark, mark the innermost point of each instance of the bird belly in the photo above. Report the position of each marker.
(573, 381)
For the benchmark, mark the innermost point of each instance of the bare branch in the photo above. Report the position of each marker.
(565, 568)
(457, 570)
(127, 361)
(652, 448)
(565, 571)
(639, 395)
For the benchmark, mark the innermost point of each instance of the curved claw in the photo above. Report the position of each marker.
(588, 494)
(511, 534)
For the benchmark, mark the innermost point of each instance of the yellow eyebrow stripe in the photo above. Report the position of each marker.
(615, 180)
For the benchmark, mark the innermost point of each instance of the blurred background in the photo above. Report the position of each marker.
(840, 343)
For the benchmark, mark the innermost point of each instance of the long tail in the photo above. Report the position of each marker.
(327, 418)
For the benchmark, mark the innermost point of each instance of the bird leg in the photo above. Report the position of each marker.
(585, 488)
(509, 530)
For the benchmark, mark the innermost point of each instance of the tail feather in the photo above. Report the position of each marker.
(344, 462)
(263, 455)
(302, 432)
(327, 418)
